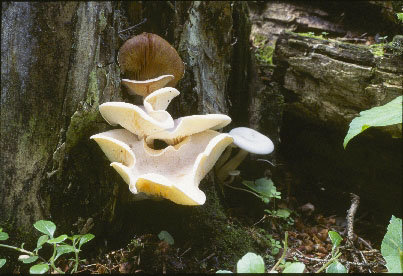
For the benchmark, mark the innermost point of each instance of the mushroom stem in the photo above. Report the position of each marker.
(231, 165)
(223, 158)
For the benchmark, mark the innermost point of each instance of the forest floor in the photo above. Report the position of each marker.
(308, 243)
(308, 240)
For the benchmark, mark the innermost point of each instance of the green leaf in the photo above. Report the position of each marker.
(385, 115)
(263, 186)
(223, 271)
(26, 259)
(86, 238)
(64, 249)
(336, 267)
(294, 268)
(1, 230)
(250, 263)
(2, 262)
(165, 236)
(335, 238)
(59, 239)
(45, 226)
(3, 236)
(39, 269)
(392, 246)
(42, 239)
(283, 213)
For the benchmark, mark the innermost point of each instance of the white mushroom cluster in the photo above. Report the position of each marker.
(175, 171)
(193, 144)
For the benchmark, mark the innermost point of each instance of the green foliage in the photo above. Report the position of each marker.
(263, 53)
(60, 247)
(250, 263)
(400, 16)
(333, 265)
(312, 34)
(392, 246)
(165, 236)
(335, 238)
(377, 49)
(39, 268)
(264, 188)
(388, 114)
(336, 267)
(294, 268)
(2, 262)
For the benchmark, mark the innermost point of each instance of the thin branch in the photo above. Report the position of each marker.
(282, 255)
(132, 27)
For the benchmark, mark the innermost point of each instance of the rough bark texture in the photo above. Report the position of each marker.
(331, 81)
(326, 84)
(58, 65)
(55, 72)
(337, 18)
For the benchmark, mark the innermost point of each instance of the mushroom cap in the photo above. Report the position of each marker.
(144, 88)
(147, 56)
(142, 120)
(135, 118)
(174, 172)
(251, 140)
(185, 126)
(160, 99)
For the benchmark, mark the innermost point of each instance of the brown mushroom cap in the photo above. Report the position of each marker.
(147, 56)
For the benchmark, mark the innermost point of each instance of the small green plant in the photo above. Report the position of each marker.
(400, 16)
(252, 263)
(263, 188)
(59, 244)
(392, 246)
(385, 115)
(333, 265)
(165, 236)
(263, 53)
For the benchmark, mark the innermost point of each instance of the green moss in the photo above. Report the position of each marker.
(102, 21)
(229, 240)
(85, 114)
(263, 52)
(377, 49)
(312, 34)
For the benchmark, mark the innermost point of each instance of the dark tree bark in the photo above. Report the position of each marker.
(58, 65)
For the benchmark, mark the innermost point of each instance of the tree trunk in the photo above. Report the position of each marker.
(58, 65)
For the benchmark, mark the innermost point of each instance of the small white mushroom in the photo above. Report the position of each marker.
(248, 140)
(173, 172)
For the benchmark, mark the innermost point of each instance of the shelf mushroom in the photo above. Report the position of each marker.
(248, 140)
(149, 62)
(173, 172)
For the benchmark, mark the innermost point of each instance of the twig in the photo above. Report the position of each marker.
(328, 263)
(264, 160)
(365, 243)
(235, 188)
(132, 27)
(208, 257)
(355, 201)
(185, 252)
(282, 255)
(264, 216)
(300, 254)
(365, 261)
